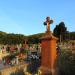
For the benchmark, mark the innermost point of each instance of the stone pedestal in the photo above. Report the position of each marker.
(48, 53)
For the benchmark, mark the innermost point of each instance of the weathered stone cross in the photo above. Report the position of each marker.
(47, 23)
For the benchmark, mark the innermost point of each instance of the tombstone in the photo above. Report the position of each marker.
(48, 50)
(17, 60)
(25, 45)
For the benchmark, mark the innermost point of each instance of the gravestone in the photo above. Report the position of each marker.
(48, 50)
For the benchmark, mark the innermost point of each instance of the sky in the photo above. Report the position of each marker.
(27, 16)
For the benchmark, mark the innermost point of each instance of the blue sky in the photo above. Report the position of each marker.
(27, 16)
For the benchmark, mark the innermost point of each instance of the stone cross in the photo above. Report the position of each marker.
(47, 23)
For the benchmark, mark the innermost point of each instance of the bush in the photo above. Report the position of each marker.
(66, 63)
(33, 67)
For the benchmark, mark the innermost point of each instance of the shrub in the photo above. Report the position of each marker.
(66, 63)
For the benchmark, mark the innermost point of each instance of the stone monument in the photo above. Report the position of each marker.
(47, 23)
(48, 50)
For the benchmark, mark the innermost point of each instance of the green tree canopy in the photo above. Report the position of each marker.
(60, 30)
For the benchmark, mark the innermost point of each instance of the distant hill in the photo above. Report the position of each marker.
(11, 38)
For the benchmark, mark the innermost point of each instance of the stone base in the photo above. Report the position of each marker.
(47, 71)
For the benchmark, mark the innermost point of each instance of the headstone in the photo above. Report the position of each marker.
(48, 50)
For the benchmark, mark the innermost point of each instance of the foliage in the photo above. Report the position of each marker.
(72, 35)
(11, 38)
(33, 66)
(12, 55)
(60, 30)
(35, 38)
(66, 63)
(19, 72)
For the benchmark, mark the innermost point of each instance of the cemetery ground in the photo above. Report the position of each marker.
(16, 56)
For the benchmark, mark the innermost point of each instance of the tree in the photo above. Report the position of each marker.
(60, 31)
(11, 38)
(72, 35)
(34, 38)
